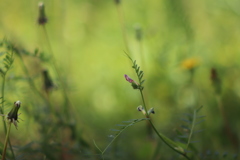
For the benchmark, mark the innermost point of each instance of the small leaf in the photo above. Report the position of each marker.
(194, 141)
(183, 136)
(199, 122)
(141, 76)
(142, 82)
(185, 120)
(137, 69)
(199, 108)
(201, 116)
(185, 127)
(187, 114)
(114, 130)
(140, 73)
(198, 131)
(120, 125)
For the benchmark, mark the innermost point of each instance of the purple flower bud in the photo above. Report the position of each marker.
(128, 79)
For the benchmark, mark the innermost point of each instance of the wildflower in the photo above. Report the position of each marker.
(141, 109)
(42, 19)
(128, 79)
(190, 64)
(12, 116)
(151, 110)
(135, 85)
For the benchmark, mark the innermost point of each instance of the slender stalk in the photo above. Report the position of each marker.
(192, 128)
(6, 142)
(121, 20)
(2, 111)
(64, 90)
(154, 128)
(31, 83)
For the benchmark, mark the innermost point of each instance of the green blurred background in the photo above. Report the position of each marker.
(88, 45)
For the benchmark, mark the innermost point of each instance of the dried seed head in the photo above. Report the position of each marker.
(117, 1)
(48, 83)
(42, 19)
(12, 116)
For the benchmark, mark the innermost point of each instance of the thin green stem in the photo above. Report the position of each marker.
(2, 109)
(6, 142)
(154, 128)
(121, 20)
(161, 137)
(64, 90)
(144, 104)
(30, 81)
(192, 128)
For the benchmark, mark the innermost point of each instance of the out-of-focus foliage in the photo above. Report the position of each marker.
(188, 50)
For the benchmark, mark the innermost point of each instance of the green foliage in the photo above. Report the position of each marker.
(189, 129)
(8, 57)
(117, 132)
(83, 93)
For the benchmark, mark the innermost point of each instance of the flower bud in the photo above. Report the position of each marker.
(135, 85)
(12, 116)
(141, 109)
(151, 110)
(42, 19)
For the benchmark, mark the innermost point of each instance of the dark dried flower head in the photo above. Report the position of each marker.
(117, 1)
(216, 81)
(214, 74)
(12, 116)
(48, 83)
(42, 19)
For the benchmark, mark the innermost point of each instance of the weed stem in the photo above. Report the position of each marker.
(6, 142)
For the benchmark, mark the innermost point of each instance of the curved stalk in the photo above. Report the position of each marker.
(6, 142)
(2, 107)
(64, 88)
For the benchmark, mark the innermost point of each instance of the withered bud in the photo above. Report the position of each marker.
(42, 19)
(12, 116)
(48, 83)
(117, 1)
(138, 30)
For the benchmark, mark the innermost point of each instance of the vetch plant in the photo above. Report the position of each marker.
(177, 147)
(11, 117)
(7, 64)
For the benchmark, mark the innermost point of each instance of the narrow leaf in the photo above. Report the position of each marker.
(115, 130)
(199, 122)
(185, 120)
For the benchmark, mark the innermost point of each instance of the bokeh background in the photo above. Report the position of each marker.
(182, 44)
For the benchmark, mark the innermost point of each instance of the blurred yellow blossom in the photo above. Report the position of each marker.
(190, 63)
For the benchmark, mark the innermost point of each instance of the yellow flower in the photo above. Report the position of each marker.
(190, 63)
